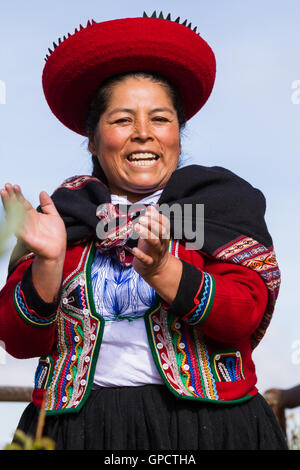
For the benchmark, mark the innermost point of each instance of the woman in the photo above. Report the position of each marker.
(145, 341)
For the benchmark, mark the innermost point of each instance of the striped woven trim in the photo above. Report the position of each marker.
(205, 298)
(30, 316)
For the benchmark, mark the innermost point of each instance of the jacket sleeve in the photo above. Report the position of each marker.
(226, 301)
(27, 322)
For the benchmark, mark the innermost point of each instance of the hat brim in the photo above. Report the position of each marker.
(78, 66)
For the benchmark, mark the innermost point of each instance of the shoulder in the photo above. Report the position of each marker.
(217, 184)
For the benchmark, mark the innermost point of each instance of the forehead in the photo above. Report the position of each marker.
(139, 91)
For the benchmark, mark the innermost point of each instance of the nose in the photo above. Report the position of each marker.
(142, 131)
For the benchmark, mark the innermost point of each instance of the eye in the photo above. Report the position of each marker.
(122, 120)
(160, 119)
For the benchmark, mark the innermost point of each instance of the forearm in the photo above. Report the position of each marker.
(47, 276)
(166, 281)
(226, 301)
(27, 323)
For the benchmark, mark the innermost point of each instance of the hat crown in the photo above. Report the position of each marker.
(92, 22)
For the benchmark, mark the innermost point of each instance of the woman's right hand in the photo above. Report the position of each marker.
(44, 233)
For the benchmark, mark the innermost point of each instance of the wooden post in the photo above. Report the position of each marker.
(15, 393)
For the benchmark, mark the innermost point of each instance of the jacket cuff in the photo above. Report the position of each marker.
(30, 306)
(195, 295)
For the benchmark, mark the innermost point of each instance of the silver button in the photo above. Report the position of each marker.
(76, 339)
(69, 376)
(73, 358)
(156, 328)
(177, 325)
(238, 354)
(186, 367)
(82, 382)
(160, 345)
(165, 366)
(64, 399)
(217, 357)
(85, 311)
(87, 359)
(65, 300)
(93, 337)
(182, 345)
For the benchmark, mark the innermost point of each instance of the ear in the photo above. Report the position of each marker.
(91, 145)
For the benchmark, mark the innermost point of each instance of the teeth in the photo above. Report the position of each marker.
(142, 162)
(142, 156)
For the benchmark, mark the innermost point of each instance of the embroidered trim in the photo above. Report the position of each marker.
(181, 356)
(204, 299)
(42, 373)
(79, 332)
(228, 366)
(29, 315)
(78, 182)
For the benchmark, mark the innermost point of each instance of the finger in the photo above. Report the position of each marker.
(145, 233)
(156, 227)
(20, 197)
(156, 215)
(142, 256)
(159, 223)
(47, 205)
(14, 195)
(10, 191)
(7, 196)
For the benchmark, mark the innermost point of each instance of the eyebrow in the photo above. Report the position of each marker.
(131, 111)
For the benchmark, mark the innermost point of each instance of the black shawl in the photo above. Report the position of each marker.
(234, 225)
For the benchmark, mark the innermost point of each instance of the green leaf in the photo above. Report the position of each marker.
(14, 218)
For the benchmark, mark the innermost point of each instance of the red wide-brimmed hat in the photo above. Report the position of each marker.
(79, 63)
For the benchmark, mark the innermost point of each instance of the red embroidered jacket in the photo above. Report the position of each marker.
(201, 344)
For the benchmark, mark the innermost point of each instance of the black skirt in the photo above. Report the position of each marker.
(149, 417)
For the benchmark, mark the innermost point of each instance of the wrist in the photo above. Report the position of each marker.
(159, 270)
(165, 280)
(57, 260)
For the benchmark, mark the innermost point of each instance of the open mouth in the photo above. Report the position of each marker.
(142, 159)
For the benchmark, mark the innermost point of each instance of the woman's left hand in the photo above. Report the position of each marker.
(151, 254)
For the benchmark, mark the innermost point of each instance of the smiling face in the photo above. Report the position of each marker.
(137, 139)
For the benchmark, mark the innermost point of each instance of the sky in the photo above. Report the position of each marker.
(249, 125)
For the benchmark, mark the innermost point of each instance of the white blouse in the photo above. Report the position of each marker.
(122, 297)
